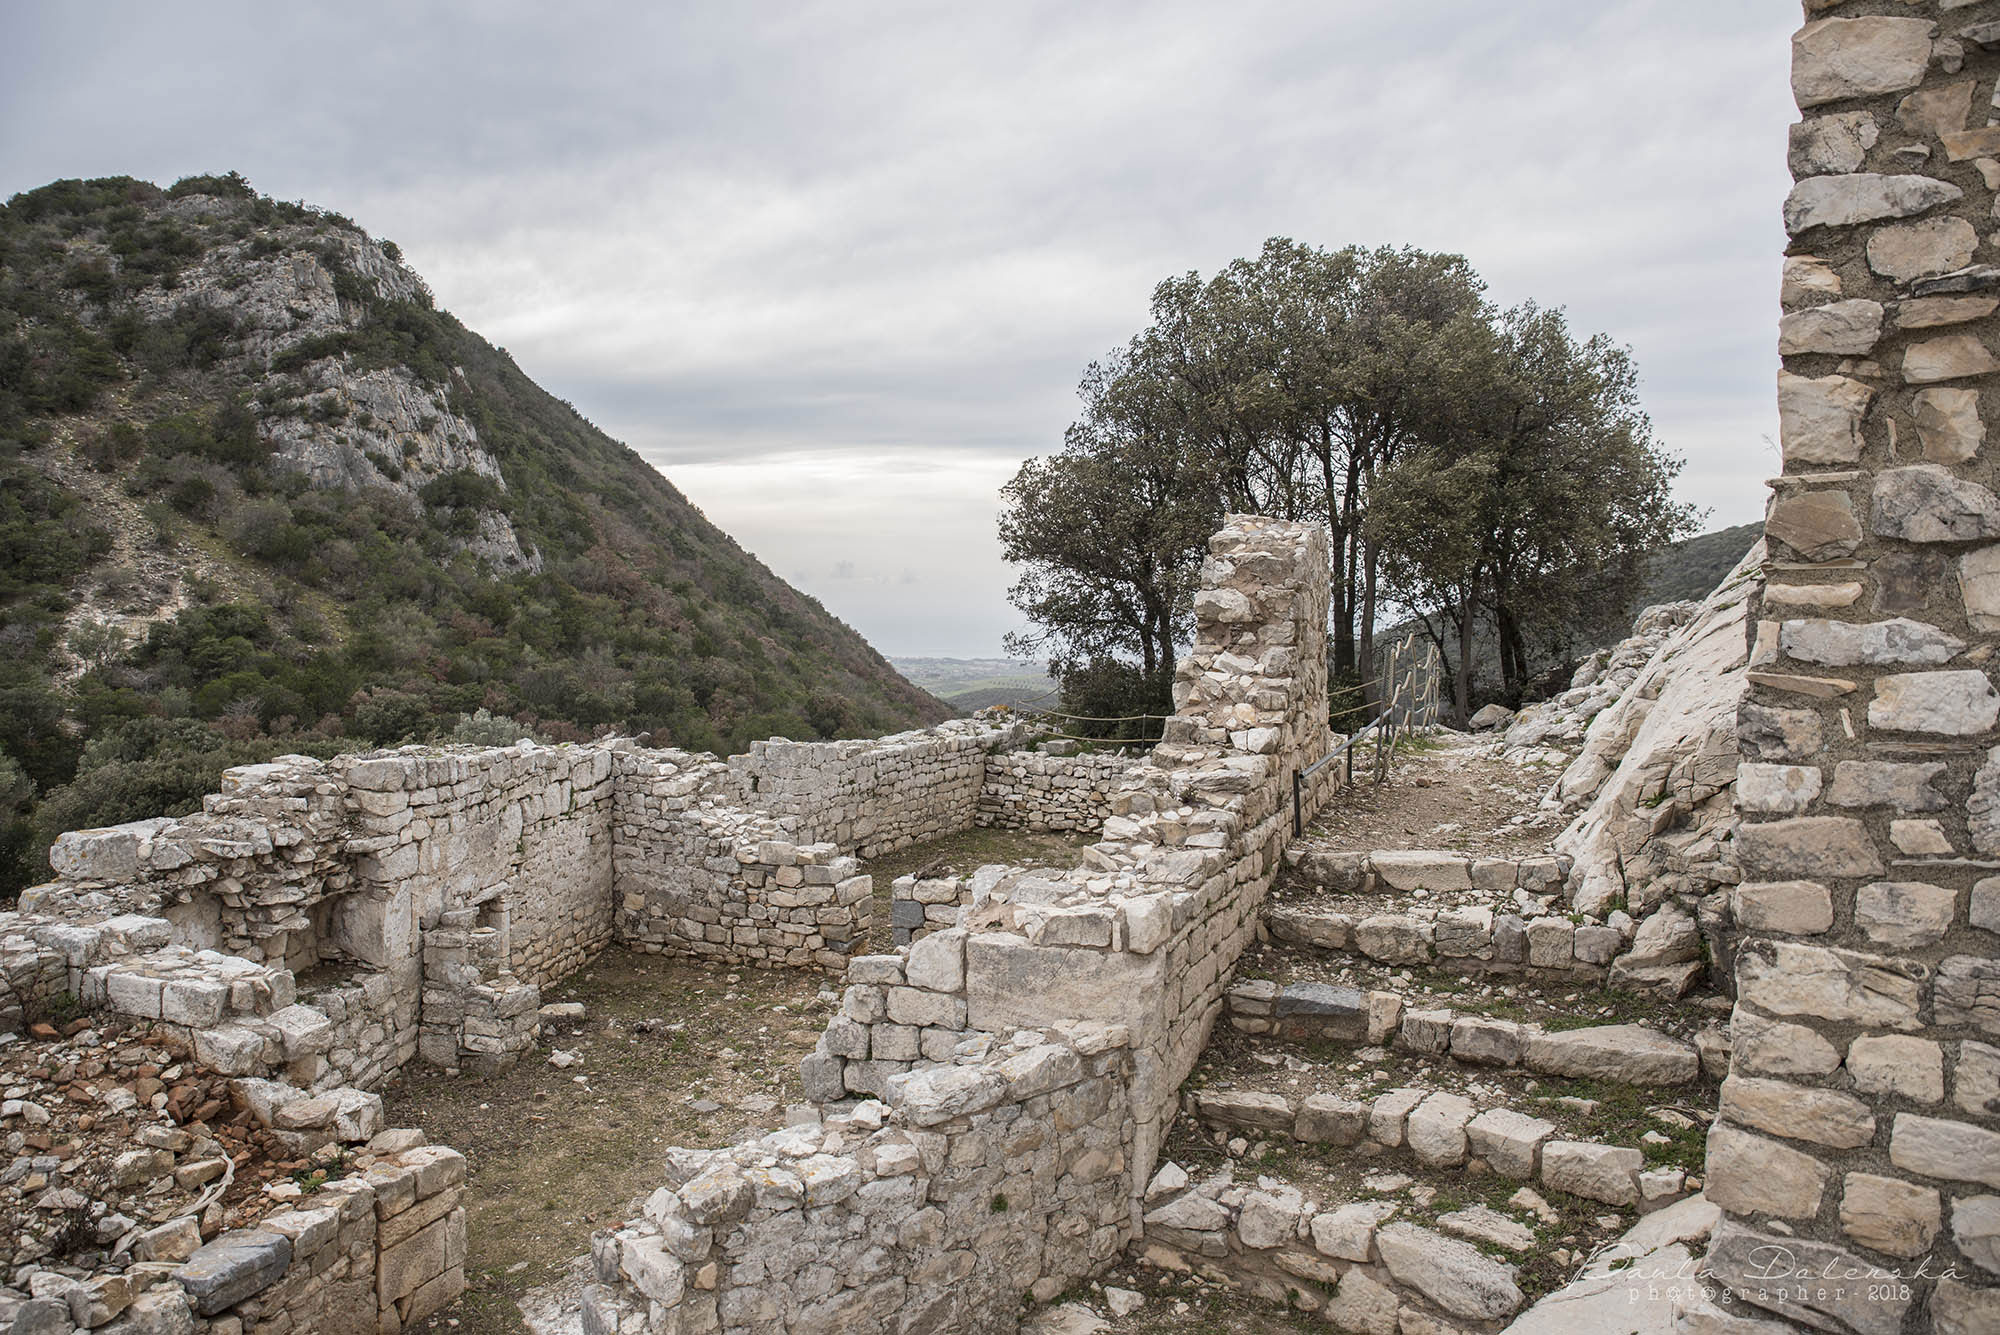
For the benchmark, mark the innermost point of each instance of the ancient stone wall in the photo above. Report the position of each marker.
(999, 1170)
(1043, 791)
(874, 796)
(1139, 943)
(1860, 1131)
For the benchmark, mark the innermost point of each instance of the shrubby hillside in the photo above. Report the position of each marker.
(258, 495)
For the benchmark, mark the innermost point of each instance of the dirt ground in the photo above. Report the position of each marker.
(1449, 790)
(671, 1053)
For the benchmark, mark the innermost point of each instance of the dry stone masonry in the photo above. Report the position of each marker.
(1093, 989)
(1859, 1133)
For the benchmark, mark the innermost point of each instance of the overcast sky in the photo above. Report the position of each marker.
(835, 268)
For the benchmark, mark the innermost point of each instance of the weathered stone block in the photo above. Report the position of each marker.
(1823, 1116)
(1894, 1217)
(1748, 1174)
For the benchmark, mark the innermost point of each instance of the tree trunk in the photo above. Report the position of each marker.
(1366, 629)
(1462, 688)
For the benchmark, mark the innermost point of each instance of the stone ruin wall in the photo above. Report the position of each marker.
(1860, 1128)
(998, 1092)
(332, 920)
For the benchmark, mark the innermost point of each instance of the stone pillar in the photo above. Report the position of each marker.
(1859, 1133)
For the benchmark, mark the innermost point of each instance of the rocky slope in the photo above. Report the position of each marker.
(258, 493)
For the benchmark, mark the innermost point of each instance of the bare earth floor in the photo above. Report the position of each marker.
(670, 1053)
(1451, 791)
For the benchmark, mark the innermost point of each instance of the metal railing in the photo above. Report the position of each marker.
(1411, 702)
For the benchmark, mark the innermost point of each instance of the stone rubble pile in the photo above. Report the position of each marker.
(147, 1195)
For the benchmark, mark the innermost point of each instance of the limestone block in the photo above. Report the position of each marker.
(1975, 1227)
(1606, 1173)
(1904, 914)
(1954, 703)
(1950, 357)
(1509, 1142)
(1823, 1116)
(1748, 1174)
(1932, 312)
(1799, 908)
(1810, 847)
(1846, 643)
(1976, 1079)
(1422, 869)
(1858, 57)
(1324, 1119)
(1818, 525)
(1842, 201)
(1348, 1233)
(1394, 939)
(1967, 992)
(1435, 1129)
(1927, 503)
(1269, 1219)
(1833, 144)
(1765, 733)
(1964, 1309)
(1629, 1053)
(1363, 1304)
(1840, 328)
(1776, 790)
(1807, 278)
(1741, 1257)
(1872, 783)
(1948, 424)
(1453, 1274)
(1906, 251)
(1953, 1151)
(1774, 1047)
(235, 1266)
(1426, 1031)
(1486, 1042)
(1245, 1108)
(1551, 943)
(1387, 1114)
(937, 962)
(1911, 1068)
(1792, 978)
(1326, 1010)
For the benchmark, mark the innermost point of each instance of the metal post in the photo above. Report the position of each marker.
(1298, 820)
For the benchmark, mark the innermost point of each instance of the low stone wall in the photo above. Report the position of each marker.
(371, 1254)
(878, 795)
(1141, 938)
(698, 876)
(1042, 791)
(998, 1171)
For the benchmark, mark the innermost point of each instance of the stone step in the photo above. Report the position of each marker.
(1477, 935)
(1342, 871)
(1384, 1247)
(1631, 1054)
(1439, 1129)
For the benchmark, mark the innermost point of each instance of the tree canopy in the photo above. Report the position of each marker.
(1473, 466)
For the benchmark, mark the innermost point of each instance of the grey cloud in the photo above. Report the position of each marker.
(884, 238)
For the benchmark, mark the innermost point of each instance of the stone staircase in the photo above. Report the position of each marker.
(1407, 1120)
(1395, 1187)
(1475, 916)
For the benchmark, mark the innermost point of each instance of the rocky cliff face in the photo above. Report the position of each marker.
(339, 424)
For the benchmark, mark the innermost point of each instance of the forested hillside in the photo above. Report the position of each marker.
(259, 495)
